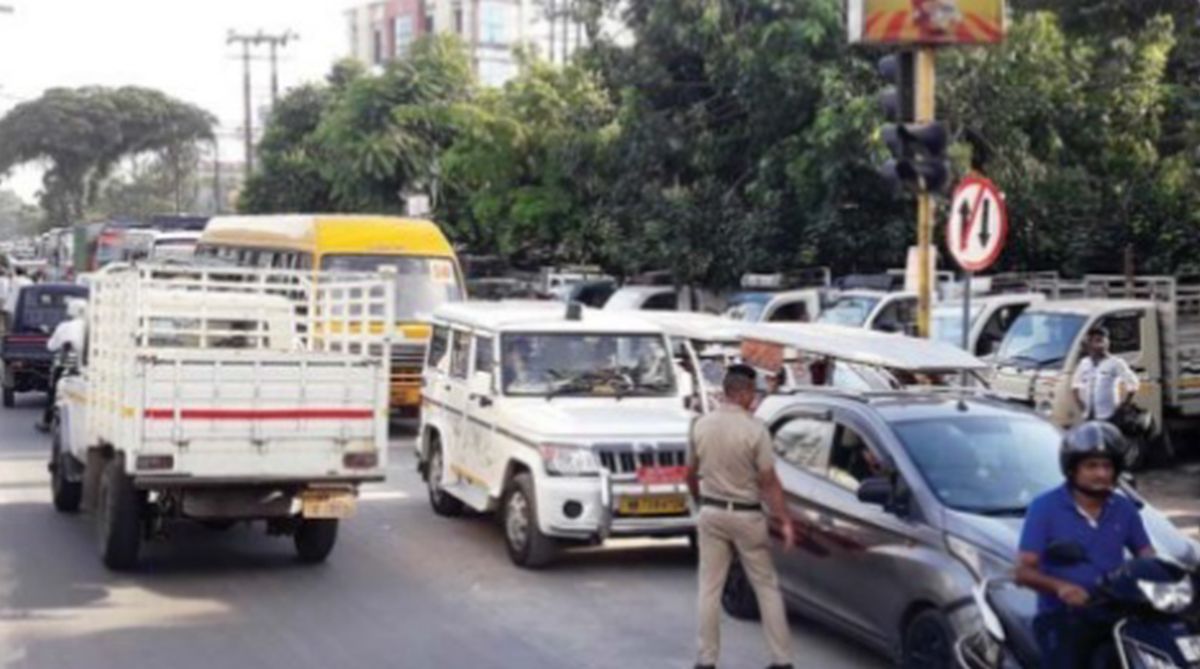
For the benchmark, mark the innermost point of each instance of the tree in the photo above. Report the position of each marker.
(83, 133)
(18, 218)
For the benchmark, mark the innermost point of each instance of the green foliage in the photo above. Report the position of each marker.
(83, 134)
(728, 137)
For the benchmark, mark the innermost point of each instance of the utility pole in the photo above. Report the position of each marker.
(247, 41)
(926, 72)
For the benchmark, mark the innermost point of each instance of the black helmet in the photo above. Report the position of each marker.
(1094, 438)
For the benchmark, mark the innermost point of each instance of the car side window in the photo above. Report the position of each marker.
(484, 355)
(851, 461)
(661, 302)
(896, 317)
(439, 345)
(795, 312)
(804, 442)
(460, 347)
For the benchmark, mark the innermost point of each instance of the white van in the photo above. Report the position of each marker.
(568, 422)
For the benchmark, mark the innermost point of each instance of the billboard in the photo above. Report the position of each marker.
(931, 22)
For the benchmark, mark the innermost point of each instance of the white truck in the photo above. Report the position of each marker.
(223, 395)
(1154, 324)
(568, 422)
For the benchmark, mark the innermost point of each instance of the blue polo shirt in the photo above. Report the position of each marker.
(1053, 516)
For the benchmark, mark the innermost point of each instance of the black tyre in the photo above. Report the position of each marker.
(738, 598)
(527, 546)
(315, 539)
(66, 494)
(118, 517)
(928, 642)
(10, 397)
(442, 502)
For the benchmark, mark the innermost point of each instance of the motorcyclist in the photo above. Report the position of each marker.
(68, 338)
(1084, 511)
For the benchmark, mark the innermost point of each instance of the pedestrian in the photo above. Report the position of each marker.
(1103, 384)
(1100, 525)
(20, 280)
(731, 472)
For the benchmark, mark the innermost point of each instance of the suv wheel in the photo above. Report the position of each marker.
(527, 546)
(928, 642)
(442, 502)
(738, 598)
(314, 539)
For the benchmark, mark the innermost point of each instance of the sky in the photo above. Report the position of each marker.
(177, 46)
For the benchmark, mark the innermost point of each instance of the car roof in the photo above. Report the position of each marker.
(901, 405)
(540, 316)
(691, 324)
(865, 346)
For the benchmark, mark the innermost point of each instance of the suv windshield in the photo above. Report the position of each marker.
(850, 310)
(986, 465)
(421, 283)
(1040, 339)
(581, 364)
(948, 323)
(747, 307)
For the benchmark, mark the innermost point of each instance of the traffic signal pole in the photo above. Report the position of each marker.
(924, 110)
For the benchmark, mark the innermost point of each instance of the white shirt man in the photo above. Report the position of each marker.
(1103, 385)
(67, 332)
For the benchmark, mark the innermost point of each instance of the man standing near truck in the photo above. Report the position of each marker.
(1104, 384)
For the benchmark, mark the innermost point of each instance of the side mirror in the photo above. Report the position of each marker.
(883, 491)
(1065, 553)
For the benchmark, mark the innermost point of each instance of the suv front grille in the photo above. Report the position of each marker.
(625, 459)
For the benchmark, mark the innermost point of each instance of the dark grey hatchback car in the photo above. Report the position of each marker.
(904, 502)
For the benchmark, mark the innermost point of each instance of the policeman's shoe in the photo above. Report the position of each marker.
(779, 666)
(705, 666)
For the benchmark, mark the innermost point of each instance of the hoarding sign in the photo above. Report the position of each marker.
(926, 22)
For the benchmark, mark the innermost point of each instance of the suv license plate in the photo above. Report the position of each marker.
(653, 505)
(1189, 647)
(320, 504)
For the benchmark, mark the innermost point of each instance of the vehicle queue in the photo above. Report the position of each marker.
(206, 388)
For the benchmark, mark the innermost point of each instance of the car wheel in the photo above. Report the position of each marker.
(315, 538)
(928, 642)
(442, 502)
(66, 494)
(737, 597)
(10, 397)
(118, 517)
(527, 546)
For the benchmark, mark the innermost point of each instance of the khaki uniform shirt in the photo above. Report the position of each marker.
(730, 448)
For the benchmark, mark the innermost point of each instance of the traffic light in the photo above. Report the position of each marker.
(918, 149)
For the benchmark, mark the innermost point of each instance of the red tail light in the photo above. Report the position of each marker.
(155, 462)
(368, 460)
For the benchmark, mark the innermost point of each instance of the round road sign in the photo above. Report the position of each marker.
(978, 224)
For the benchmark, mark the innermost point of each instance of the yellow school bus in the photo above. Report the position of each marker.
(427, 270)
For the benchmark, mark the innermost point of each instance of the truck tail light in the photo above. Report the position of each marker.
(155, 462)
(368, 460)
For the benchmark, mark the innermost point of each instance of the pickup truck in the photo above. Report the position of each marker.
(1154, 324)
(223, 395)
(23, 353)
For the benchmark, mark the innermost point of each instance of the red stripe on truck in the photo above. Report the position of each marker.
(261, 414)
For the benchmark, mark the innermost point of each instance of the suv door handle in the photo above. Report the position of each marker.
(484, 400)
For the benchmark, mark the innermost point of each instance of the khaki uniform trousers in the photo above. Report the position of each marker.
(720, 534)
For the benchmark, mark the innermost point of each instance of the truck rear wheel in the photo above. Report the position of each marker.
(67, 494)
(118, 517)
(527, 546)
(315, 539)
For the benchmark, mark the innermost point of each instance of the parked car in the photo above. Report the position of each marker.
(27, 362)
(567, 422)
(904, 502)
(990, 318)
(873, 310)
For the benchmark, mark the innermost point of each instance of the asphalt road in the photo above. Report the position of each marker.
(403, 588)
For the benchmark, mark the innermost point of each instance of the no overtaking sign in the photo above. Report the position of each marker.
(978, 224)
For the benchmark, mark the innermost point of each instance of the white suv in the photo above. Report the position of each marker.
(569, 423)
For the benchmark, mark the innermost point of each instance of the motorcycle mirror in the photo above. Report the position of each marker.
(1065, 553)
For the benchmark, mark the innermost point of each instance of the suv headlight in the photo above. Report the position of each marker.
(569, 460)
(979, 562)
(1168, 597)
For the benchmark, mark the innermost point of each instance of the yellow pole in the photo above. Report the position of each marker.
(924, 111)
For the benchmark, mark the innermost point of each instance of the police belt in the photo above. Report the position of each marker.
(730, 506)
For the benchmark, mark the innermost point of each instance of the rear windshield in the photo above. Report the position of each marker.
(42, 310)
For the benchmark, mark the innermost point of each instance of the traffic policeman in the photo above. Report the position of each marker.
(1086, 511)
(731, 472)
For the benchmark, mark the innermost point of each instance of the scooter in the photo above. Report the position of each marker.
(1152, 601)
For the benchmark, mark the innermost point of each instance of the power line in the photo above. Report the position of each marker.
(253, 40)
